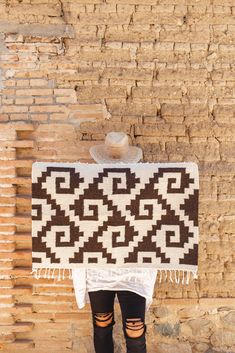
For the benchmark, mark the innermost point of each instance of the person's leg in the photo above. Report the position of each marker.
(102, 306)
(133, 318)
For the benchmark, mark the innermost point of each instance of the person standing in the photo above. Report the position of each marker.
(134, 286)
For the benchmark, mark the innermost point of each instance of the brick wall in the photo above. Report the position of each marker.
(163, 72)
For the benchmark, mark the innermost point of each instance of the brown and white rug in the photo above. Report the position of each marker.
(108, 215)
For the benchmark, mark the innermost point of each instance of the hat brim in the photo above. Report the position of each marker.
(100, 154)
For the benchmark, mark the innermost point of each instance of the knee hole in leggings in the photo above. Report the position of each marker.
(135, 327)
(103, 319)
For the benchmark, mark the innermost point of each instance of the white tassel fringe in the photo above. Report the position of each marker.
(52, 273)
(174, 275)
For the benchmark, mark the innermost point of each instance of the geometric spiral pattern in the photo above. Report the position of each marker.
(135, 214)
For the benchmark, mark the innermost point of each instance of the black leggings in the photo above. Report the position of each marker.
(132, 306)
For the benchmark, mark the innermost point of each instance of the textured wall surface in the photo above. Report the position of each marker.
(163, 72)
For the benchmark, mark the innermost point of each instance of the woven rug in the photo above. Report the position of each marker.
(115, 215)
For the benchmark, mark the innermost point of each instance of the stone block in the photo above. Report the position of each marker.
(167, 329)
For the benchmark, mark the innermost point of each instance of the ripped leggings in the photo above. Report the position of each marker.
(133, 320)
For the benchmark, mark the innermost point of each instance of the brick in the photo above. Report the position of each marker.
(7, 247)
(182, 75)
(37, 9)
(226, 189)
(23, 101)
(136, 74)
(159, 55)
(22, 126)
(74, 316)
(16, 180)
(47, 108)
(135, 108)
(100, 92)
(228, 226)
(45, 30)
(17, 163)
(222, 34)
(43, 100)
(6, 209)
(104, 127)
(185, 36)
(223, 92)
(18, 327)
(196, 110)
(63, 91)
(47, 289)
(208, 189)
(153, 18)
(17, 116)
(202, 151)
(7, 154)
(220, 247)
(182, 47)
(3, 117)
(65, 100)
(224, 113)
(160, 130)
(50, 50)
(87, 116)
(228, 75)
(228, 276)
(220, 168)
(34, 92)
(198, 92)
(51, 307)
(39, 117)
(228, 151)
(212, 129)
(7, 132)
(105, 18)
(215, 19)
(135, 2)
(5, 191)
(85, 2)
(169, 109)
(7, 101)
(158, 92)
(107, 55)
(135, 34)
(15, 109)
(39, 82)
(77, 149)
(163, 8)
(22, 83)
(57, 116)
(9, 57)
(211, 266)
(6, 320)
(221, 206)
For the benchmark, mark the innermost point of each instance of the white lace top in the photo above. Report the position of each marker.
(138, 280)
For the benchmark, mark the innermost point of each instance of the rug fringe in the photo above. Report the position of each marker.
(180, 276)
(52, 273)
(174, 275)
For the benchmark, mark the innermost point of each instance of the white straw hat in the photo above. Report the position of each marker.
(116, 149)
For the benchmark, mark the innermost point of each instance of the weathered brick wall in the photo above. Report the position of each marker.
(163, 72)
